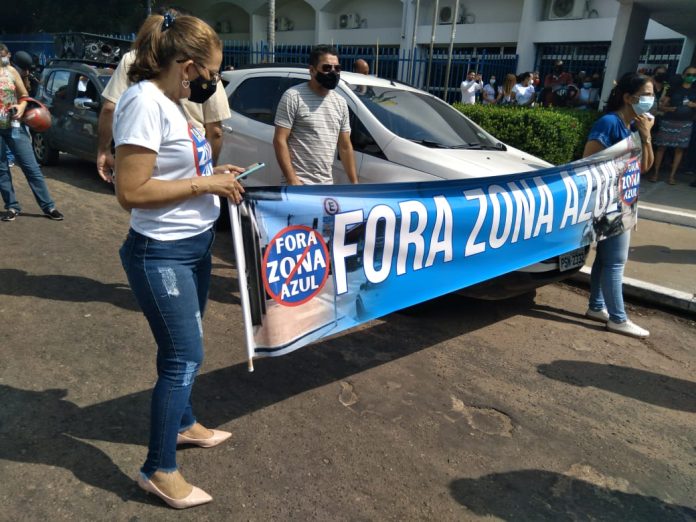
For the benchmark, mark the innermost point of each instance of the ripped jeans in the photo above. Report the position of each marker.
(170, 280)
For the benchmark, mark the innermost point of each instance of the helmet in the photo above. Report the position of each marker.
(36, 116)
(23, 60)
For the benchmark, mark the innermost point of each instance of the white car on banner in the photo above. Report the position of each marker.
(399, 134)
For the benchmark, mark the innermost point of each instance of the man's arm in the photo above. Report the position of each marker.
(345, 151)
(105, 159)
(282, 152)
(213, 133)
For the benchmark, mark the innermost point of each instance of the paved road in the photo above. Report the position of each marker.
(453, 410)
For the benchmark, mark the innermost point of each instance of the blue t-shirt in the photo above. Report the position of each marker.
(609, 130)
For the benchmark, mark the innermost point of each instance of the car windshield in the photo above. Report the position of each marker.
(421, 118)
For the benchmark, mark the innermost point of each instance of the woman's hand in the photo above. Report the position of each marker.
(18, 110)
(644, 123)
(224, 183)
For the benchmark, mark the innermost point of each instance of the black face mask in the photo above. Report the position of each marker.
(201, 90)
(661, 77)
(328, 80)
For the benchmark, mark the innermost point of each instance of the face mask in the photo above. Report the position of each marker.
(492, 81)
(644, 104)
(661, 77)
(587, 85)
(4, 61)
(690, 79)
(201, 90)
(328, 80)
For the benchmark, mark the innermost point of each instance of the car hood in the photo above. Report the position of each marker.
(462, 163)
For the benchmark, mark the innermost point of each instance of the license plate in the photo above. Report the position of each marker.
(571, 260)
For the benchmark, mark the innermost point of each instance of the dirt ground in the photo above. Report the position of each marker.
(452, 410)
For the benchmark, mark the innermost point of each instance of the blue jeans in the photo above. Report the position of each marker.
(170, 280)
(18, 141)
(607, 276)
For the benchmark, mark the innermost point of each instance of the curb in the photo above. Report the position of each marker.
(663, 215)
(652, 293)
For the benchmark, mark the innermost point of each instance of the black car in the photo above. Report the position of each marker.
(72, 92)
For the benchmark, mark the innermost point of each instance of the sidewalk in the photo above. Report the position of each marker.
(661, 264)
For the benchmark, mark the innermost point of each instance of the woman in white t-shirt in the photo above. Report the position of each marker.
(166, 179)
(524, 90)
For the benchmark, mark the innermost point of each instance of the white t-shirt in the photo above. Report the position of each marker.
(523, 94)
(146, 117)
(469, 89)
(492, 93)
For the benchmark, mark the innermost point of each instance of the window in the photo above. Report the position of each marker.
(361, 138)
(257, 98)
(57, 83)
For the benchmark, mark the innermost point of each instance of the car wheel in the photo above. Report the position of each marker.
(45, 155)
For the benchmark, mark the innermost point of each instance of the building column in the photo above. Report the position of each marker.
(626, 44)
(687, 57)
(532, 12)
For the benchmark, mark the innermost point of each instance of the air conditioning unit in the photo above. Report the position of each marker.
(349, 21)
(446, 14)
(567, 9)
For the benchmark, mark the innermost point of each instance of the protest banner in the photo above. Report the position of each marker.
(316, 260)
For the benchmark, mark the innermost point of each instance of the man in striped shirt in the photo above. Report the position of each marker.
(311, 121)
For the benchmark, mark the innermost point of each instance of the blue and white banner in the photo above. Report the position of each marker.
(317, 260)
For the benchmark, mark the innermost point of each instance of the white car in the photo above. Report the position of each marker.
(398, 133)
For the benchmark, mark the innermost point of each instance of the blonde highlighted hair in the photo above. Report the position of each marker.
(186, 37)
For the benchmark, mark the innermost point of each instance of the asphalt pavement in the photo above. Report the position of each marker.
(661, 266)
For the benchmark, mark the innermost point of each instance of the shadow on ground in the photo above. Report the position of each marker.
(41, 427)
(649, 387)
(537, 495)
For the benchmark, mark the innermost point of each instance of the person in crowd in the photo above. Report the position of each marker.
(678, 106)
(491, 93)
(524, 90)
(587, 96)
(311, 121)
(207, 115)
(469, 87)
(361, 66)
(15, 137)
(166, 179)
(625, 110)
(558, 77)
(507, 90)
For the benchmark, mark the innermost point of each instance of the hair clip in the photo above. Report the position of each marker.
(167, 22)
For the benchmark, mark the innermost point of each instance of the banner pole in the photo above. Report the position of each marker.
(243, 287)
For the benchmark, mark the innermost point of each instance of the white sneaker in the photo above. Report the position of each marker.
(628, 328)
(598, 315)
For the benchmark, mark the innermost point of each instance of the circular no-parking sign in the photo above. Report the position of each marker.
(295, 265)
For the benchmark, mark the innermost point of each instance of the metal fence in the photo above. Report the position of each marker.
(388, 62)
(592, 57)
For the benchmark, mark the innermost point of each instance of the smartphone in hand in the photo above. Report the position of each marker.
(250, 169)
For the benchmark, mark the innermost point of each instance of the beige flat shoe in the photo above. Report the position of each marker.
(195, 498)
(218, 437)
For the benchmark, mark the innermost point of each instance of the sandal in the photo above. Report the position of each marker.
(672, 181)
(653, 178)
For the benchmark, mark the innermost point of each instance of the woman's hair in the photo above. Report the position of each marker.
(630, 83)
(509, 83)
(3, 47)
(162, 39)
(523, 76)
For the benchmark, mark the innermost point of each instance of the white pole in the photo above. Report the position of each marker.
(243, 287)
(451, 47)
(432, 43)
(377, 59)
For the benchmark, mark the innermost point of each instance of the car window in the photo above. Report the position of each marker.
(104, 79)
(57, 83)
(361, 138)
(420, 117)
(257, 98)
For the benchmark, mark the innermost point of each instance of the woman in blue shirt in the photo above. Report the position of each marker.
(627, 108)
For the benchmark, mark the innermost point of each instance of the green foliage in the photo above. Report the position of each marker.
(555, 135)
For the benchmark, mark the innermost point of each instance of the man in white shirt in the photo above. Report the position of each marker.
(469, 87)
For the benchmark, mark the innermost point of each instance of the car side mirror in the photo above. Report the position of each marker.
(86, 103)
